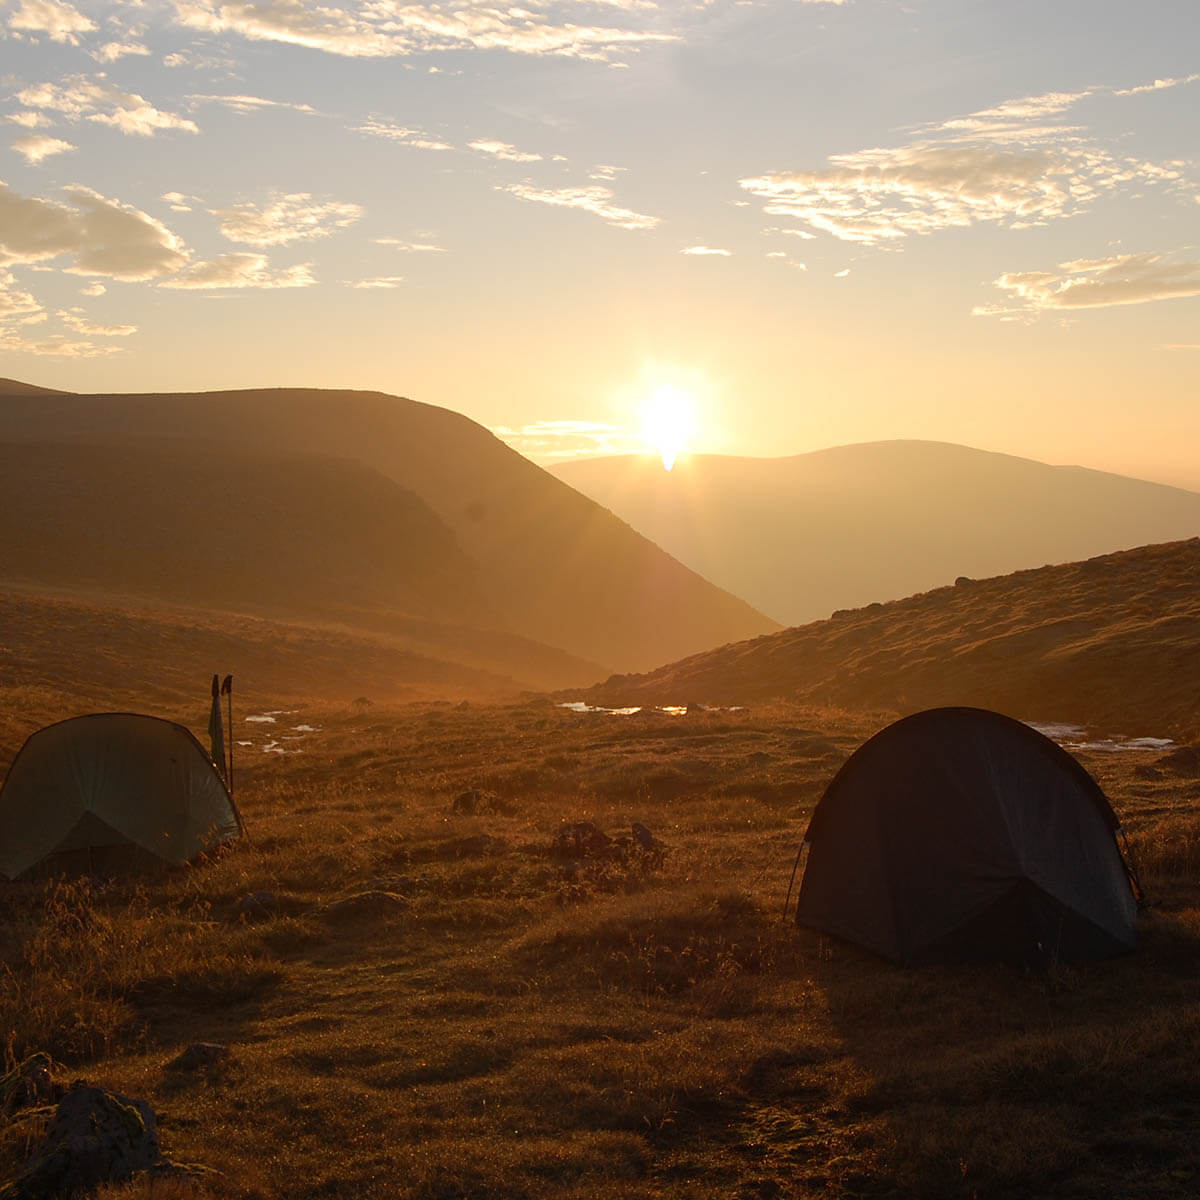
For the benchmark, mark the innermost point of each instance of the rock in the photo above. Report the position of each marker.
(1183, 761)
(256, 906)
(469, 802)
(643, 838)
(96, 1137)
(366, 904)
(201, 1054)
(581, 839)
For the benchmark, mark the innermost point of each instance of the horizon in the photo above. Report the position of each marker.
(807, 225)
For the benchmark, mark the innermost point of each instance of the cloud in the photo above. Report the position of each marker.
(241, 271)
(399, 133)
(1012, 165)
(74, 320)
(410, 247)
(102, 236)
(30, 120)
(389, 28)
(178, 201)
(381, 281)
(551, 440)
(596, 200)
(505, 151)
(62, 22)
(56, 347)
(1097, 283)
(707, 250)
(79, 98)
(1157, 86)
(93, 289)
(37, 146)
(111, 51)
(248, 104)
(14, 303)
(288, 218)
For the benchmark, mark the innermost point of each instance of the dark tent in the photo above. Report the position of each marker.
(960, 835)
(112, 780)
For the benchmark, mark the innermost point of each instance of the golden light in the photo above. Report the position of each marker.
(668, 422)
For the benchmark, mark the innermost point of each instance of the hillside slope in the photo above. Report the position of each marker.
(1112, 642)
(552, 565)
(804, 535)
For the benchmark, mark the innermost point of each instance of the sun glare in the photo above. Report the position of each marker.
(668, 423)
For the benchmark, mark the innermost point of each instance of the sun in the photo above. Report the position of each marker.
(668, 422)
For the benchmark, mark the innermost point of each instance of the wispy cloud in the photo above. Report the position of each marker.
(554, 440)
(80, 98)
(701, 251)
(111, 51)
(101, 236)
(1097, 283)
(29, 120)
(249, 104)
(410, 247)
(596, 200)
(12, 342)
(1011, 165)
(14, 302)
(288, 218)
(392, 132)
(241, 271)
(380, 281)
(76, 320)
(389, 28)
(58, 20)
(37, 146)
(505, 151)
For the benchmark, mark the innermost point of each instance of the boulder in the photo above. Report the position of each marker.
(95, 1137)
(581, 839)
(365, 904)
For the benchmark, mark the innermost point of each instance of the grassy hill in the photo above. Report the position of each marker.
(801, 536)
(1113, 641)
(548, 564)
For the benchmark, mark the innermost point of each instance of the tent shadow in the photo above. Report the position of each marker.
(996, 1081)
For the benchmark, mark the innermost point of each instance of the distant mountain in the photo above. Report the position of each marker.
(802, 536)
(357, 508)
(1112, 642)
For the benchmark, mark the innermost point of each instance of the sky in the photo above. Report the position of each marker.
(805, 223)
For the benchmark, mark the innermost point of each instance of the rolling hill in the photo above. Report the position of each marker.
(802, 536)
(234, 499)
(1112, 642)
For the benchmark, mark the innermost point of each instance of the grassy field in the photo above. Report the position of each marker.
(436, 1005)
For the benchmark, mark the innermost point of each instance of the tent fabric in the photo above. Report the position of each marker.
(959, 834)
(112, 779)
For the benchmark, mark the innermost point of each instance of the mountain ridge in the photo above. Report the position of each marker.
(874, 521)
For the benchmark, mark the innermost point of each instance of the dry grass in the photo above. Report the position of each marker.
(516, 1026)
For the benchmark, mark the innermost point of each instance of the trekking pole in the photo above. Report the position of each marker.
(227, 688)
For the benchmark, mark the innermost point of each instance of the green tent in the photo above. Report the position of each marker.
(112, 779)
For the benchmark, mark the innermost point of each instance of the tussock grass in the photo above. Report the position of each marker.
(520, 1025)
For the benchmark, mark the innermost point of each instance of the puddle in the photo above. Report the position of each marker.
(275, 744)
(670, 710)
(1075, 737)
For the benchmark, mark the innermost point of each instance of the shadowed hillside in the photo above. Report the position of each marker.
(1113, 642)
(548, 563)
(801, 536)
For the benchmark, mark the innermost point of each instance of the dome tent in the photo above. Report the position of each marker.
(961, 835)
(112, 779)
